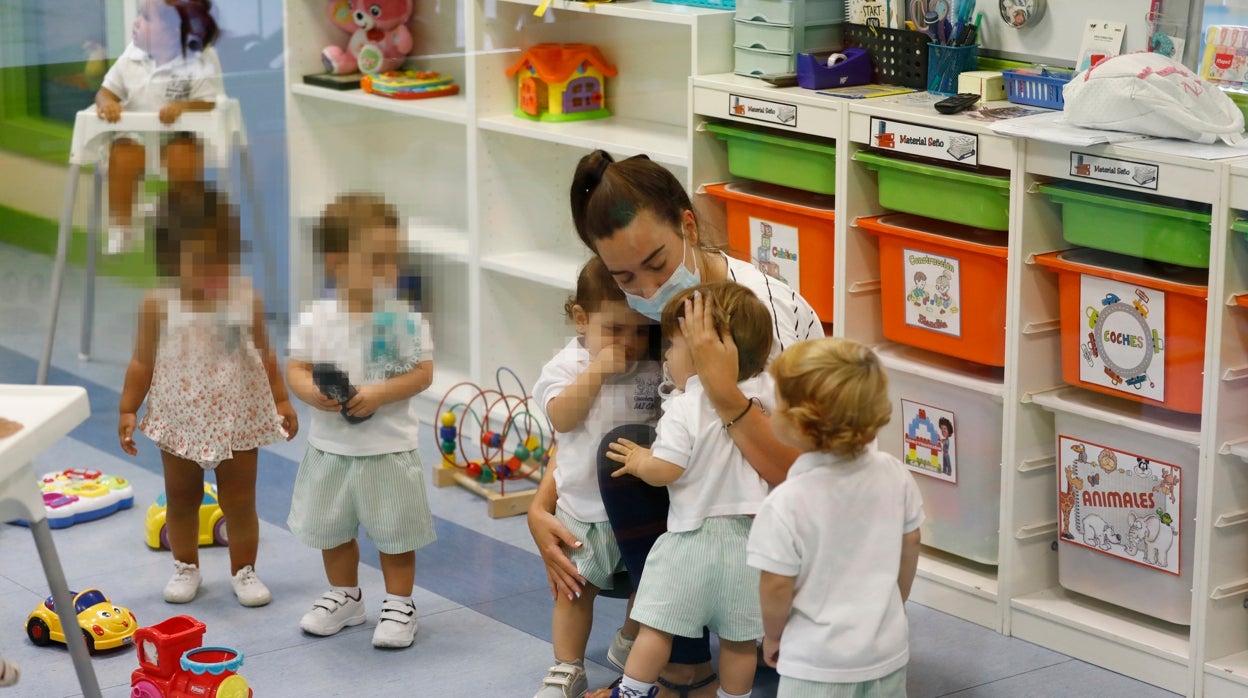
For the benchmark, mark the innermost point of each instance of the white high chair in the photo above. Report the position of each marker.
(220, 131)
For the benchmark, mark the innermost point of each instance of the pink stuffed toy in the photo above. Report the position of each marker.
(380, 40)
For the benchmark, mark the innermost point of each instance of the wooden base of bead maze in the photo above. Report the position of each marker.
(499, 505)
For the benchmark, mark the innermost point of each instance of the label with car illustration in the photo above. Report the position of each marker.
(1119, 504)
(934, 296)
(773, 249)
(1122, 341)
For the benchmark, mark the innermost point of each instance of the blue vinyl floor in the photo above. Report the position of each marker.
(481, 596)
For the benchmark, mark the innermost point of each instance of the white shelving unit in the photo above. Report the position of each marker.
(486, 192)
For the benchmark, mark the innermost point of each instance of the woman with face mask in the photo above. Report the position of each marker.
(636, 216)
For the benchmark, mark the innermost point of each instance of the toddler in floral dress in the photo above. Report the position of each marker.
(213, 390)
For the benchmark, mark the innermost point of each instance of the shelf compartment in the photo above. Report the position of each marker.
(761, 154)
(451, 109)
(954, 195)
(621, 136)
(957, 587)
(1227, 677)
(434, 239)
(1116, 639)
(544, 267)
(639, 9)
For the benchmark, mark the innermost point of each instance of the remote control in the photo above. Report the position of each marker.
(957, 103)
(333, 382)
(780, 79)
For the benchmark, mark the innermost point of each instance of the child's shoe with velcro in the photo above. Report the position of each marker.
(622, 692)
(564, 681)
(332, 612)
(396, 628)
(617, 654)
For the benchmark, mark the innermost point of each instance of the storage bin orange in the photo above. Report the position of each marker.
(942, 286)
(1132, 328)
(789, 234)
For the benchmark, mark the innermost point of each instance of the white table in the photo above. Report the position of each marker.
(47, 413)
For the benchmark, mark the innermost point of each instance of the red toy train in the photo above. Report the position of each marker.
(174, 664)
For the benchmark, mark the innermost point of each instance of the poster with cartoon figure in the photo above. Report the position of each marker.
(773, 249)
(934, 295)
(928, 445)
(1123, 346)
(1119, 504)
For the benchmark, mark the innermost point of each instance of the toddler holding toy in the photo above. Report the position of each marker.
(833, 588)
(214, 393)
(696, 574)
(168, 68)
(361, 465)
(598, 381)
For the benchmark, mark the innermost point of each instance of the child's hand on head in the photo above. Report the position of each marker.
(366, 401)
(125, 433)
(714, 354)
(628, 453)
(290, 420)
(110, 112)
(611, 360)
(170, 112)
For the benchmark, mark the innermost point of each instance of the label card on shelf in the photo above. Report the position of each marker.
(1119, 504)
(925, 141)
(1140, 175)
(928, 440)
(775, 251)
(762, 110)
(1125, 348)
(934, 299)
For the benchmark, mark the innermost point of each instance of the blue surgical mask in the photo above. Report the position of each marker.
(680, 280)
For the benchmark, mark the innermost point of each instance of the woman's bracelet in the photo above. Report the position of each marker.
(748, 406)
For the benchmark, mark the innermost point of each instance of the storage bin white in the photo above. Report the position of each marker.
(780, 38)
(948, 432)
(1128, 533)
(754, 63)
(791, 12)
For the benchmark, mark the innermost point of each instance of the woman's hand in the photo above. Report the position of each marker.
(714, 354)
(551, 536)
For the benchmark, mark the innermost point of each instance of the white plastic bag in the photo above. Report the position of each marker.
(1155, 95)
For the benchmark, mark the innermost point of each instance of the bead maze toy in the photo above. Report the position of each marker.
(174, 664)
(490, 440)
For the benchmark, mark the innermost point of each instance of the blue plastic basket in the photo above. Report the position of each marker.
(709, 4)
(1043, 89)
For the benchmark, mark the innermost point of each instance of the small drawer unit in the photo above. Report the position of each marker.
(779, 38)
(789, 160)
(754, 62)
(770, 33)
(959, 196)
(1142, 225)
(788, 234)
(942, 286)
(1126, 505)
(791, 12)
(948, 433)
(1130, 329)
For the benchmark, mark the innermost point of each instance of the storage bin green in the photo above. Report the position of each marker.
(958, 196)
(1141, 225)
(806, 164)
(1241, 226)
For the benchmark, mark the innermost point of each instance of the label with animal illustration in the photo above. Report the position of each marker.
(773, 249)
(1119, 504)
(763, 110)
(925, 141)
(1140, 175)
(927, 440)
(933, 292)
(1122, 337)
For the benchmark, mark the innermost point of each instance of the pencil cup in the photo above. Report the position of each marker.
(945, 63)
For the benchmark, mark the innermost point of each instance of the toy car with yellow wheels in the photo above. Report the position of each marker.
(211, 521)
(103, 624)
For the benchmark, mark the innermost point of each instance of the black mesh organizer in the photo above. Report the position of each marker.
(899, 56)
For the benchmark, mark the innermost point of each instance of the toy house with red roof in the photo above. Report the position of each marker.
(562, 82)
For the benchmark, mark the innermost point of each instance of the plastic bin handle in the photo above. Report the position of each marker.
(1054, 260)
(727, 132)
(1060, 194)
(876, 161)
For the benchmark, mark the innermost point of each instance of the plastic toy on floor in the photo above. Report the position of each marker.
(211, 521)
(173, 663)
(76, 495)
(104, 625)
(475, 455)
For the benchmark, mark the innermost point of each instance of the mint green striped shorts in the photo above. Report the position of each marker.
(891, 686)
(699, 578)
(598, 558)
(334, 495)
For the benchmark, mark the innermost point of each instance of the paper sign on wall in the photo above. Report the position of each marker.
(774, 250)
(925, 141)
(934, 298)
(927, 440)
(1141, 175)
(762, 110)
(1119, 504)
(1101, 40)
(1124, 347)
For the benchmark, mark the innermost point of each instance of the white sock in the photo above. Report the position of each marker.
(352, 593)
(575, 662)
(721, 693)
(632, 688)
(401, 599)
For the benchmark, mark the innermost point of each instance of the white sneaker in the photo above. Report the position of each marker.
(249, 589)
(564, 681)
(10, 672)
(617, 654)
(184, 584)
(333, 612)
(397, 625)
